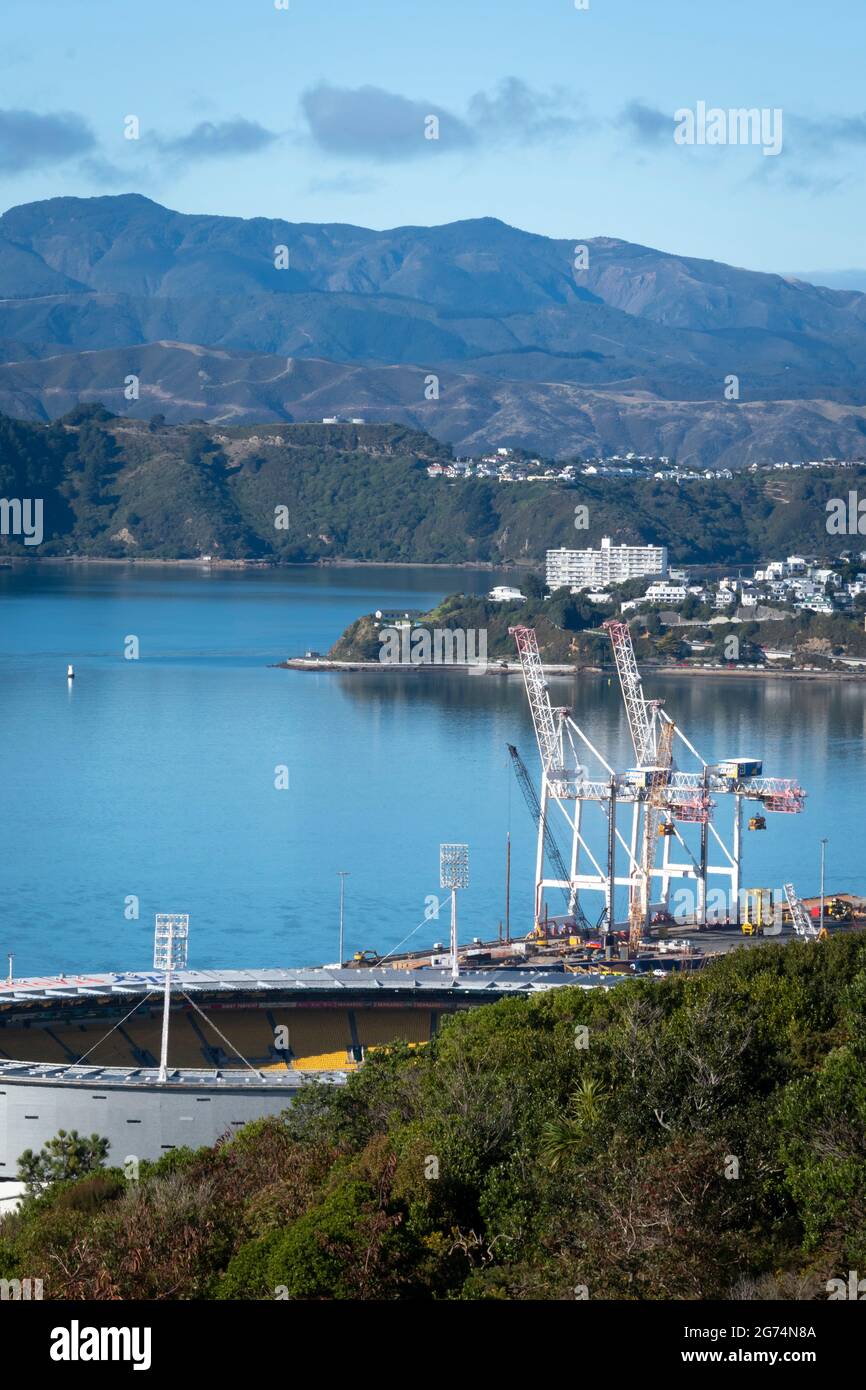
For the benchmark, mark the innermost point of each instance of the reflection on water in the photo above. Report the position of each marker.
(155, 779)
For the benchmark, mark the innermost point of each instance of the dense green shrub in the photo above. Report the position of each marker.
(710, 1142)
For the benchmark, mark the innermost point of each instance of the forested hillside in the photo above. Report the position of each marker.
(122, 488)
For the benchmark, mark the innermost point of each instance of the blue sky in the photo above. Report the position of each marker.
(551, 118)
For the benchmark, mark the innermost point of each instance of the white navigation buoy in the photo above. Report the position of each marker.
(70, 672)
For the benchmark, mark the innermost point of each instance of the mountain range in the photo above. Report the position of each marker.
(477, 332)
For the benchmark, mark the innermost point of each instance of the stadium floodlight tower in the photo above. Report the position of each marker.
(170, 941)
(454, 874)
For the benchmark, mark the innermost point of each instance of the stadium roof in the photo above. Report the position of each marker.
(322, 979)
(220, 1079)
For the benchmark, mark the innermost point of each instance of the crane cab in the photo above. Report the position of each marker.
(738, 768)
(647, 777)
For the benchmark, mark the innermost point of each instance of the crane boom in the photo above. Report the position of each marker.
(546, 733)
(553, 851)
(637, 707)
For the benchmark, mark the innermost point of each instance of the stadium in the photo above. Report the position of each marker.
(83, 1052)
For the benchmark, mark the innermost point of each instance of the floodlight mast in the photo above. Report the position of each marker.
(170, 942)
(454, 874)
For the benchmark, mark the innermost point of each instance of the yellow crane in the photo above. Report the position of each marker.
(760, 918)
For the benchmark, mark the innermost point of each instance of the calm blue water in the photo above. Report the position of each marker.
(155, 777)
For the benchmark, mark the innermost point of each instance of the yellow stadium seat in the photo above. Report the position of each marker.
(377, 1026)
(325, 1061)
(319, 1039)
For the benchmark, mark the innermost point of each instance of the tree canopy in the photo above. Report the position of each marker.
(704, 1137)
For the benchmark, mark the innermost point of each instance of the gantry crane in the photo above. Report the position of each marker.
(558, 783)
(666, 794)
(652, 739)
(554, 853)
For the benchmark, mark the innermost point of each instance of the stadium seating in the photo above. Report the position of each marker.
(319, 1039)
(378, 1026)
(31, 1045)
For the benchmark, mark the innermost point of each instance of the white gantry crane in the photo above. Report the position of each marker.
(656, 799)
(561, 771)
(652, 738)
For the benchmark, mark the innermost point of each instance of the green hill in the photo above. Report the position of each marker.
(115, 487)
(567, 629)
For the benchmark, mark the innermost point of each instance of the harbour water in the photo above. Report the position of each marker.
(148, 784)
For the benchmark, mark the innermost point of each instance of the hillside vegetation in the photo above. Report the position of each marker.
(116, 487)
(696, 1137)
(566, 628)
(569, 629)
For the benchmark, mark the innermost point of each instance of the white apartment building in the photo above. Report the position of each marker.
(665, 593)
(611, 564)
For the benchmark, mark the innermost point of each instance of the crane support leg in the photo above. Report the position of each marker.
(666, 878)
(701, 914)
(574, 867)
(610, 894)
(737, 855)
(539, 852)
